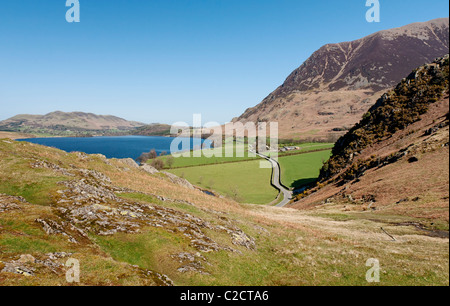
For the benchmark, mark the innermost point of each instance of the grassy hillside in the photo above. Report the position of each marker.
(127, 227)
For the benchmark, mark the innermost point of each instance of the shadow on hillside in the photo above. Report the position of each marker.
(298, 184)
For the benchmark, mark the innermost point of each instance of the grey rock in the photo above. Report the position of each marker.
(130, 163)
(47, 165)
(149, 169)
(179, 181)
(8, 203)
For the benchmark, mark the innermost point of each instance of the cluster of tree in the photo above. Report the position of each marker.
(157, 163)
(147, 156)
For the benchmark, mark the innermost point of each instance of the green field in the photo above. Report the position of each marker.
(245, 181)
(301, 169)
(205, 159)
(219, 158)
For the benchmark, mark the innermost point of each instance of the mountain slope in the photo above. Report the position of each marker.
(330, 91)
(155, 129)
(57, 123)
(395, 160)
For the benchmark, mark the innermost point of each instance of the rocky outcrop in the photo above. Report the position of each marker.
(98, 210)
(394, 111)
(129, 162)
(8, 203)
(191, 262)
(47, 165)
(90, 204)
(54, 263)
(179, 181)
(172, 177)
(27, 265)
(149, 169)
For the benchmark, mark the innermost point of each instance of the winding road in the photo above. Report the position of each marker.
(276, 180)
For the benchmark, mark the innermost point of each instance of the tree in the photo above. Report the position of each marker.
(158, 164)
(146, 156)
(170, 161)
(153, 154)
(143, 158)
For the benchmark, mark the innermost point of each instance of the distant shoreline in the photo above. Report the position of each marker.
(19, 135)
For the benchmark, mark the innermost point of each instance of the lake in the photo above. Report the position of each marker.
(113, 147)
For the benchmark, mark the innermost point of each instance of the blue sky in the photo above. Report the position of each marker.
(163, 60)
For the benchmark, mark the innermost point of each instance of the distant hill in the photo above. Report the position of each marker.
(396, 159)
(61, 123)
(331, 90)
(155, 129)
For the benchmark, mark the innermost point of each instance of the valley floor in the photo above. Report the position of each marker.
(243, 179)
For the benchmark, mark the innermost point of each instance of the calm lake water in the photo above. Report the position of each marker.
(113, 147)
